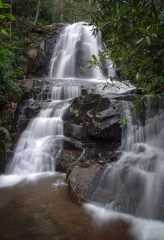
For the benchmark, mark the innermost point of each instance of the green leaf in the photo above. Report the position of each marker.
(2, 16)
(154, 35)
(5, 5)
(94, 58)
(9, 15)
(137, 76)
(1, 4)
(140, 40)
(148, 28)
(148, 40)
(3, 31)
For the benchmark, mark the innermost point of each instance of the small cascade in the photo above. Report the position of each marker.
(42, 141)
(134, 184)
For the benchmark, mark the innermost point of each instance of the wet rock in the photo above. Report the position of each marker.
(6, 137)
(125, 97)
(73, 156)
(27, 87)
(75, 152)
(93, 116)
(31, 111)
(111, 185)
(8, 114)
(72, 150)
(82, 179)
(76, 131)
(4, 134)
(32, 53)
(5, 146)
(67, 160)
(41, 49)
(36, 55)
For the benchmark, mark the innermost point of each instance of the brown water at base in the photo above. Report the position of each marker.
(44, 211)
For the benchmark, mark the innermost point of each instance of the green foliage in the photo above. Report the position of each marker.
(54, 10)
(9, 72)
(123, 121)
(6, 17)
(134, 33)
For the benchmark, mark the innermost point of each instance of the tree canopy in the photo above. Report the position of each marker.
(134, 34)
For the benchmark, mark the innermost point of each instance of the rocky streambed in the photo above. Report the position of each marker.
(92, 127)
(92, 133)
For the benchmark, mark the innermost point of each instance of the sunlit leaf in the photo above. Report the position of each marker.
(4, 32)
(148, 40)
(140, 40)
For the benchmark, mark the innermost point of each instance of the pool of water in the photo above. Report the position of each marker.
(42, 209)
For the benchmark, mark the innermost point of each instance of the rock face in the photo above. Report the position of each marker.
(91, 125)
(97, 177)
(76, 152)
(93, 116)
(6, 131)
(41, 49)
(5, 145)
(94, 121)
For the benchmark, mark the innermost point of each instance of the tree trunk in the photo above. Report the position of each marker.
(37, 13)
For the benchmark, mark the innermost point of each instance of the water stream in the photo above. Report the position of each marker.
(31, 189)
(134, 184)
(41, 143)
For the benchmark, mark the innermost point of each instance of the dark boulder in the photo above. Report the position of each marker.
(75, 152)
(93, 116)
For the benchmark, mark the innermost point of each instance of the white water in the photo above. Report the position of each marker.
(144, 152)
(74, 48)
(42, 141)
(139, 228)
(135, 184)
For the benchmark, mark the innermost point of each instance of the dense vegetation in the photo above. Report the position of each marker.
(134, 34)
(48, 11)
(9, 71)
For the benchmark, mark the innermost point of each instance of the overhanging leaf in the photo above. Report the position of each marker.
(4, 32)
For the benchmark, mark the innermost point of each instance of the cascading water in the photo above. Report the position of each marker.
(131, 190)
(134, 184)
(74, 48)
(41, 143)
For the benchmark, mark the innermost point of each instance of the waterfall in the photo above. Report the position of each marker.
(134, 184)
(74, 48)
(42, 141)
(144, 152)
(130, 190)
